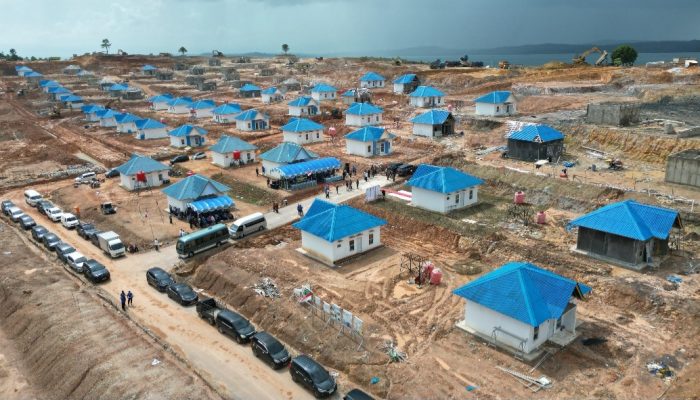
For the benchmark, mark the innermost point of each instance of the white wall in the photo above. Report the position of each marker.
(303, 137)
(153, 179)
(180, 205)
(269, 165)
(355, 147)
(179, 109)
(129, 127)
(203, 113)
(483, 320)
(372, 84)
(92, 117)
(494, 109)
(156, 133)
(302, 111)
(161, 105)
(108, 122)
(423, 130)
(75, 105)
(323, 96)
(424, 101)
(443, 202)
(363, 120)
(225, 159)
(334, 251)
(248, 125)
(271, 98)
(224, 118)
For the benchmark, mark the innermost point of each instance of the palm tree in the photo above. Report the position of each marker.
(106, 45)
(285, 48)
(182, 50)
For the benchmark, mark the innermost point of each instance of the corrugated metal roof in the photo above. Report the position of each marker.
(307, 167)
(249, 87)
(426, 91)
(118, 87)
(149, 123)
(442, 179)
(32, 74)
(523, 292)
(288, 152)
(301, 125)
(322, 87)
(406, 78)
(229, 144)
(333, 222)
(148, 67)
(432, 117)
(250, 115)
(126, 118)
(537, 133)
(212, 204)
(161, 98)
(227, 109)
(630, 219)
(363, 109)
(91, 108)
(270, 90)
(57, 90)
(138, 163)
(301, 101)
(49, 83)
(369, 134)
(192, 187)
(180, 101)
(371, 76)
(203, 104)
(71, 98)
(104, 114)
(497, 97)
(187, 130)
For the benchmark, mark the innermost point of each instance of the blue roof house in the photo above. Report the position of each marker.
(202, 108)
(406, 83)
(47, 84)
(303, 106)
(302, 131)
(434, 124)
(252, 120)
(126, 123)
(108, 118)
(187, 136)
(22, 70)
(363, 114)
(443, 189)
(627, 233)
(520, 307)
(118, 89)
(323, 92)
(179, 105)
(159, 102)
(272, 95)
(334, 232)
(427, 97)
(230, 151)
(195, 188)
(249, 90)
(154, 173)
(72, 69)
(535, 142)
(72, 101)
(283, 154)
(372, 80)
(55, 92)
(150, 129)
(226, 113)
(496, 103)
(369, 141)
(90, 112)
(149, 70)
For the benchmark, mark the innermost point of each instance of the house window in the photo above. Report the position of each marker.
(369, 148)
(471, 194)
(536, 333)
(498, 109)
(352, 244)
(160, 177)
(182, 142)
(248, 125)
(371, 238)
(377, 118)
(318, 135)
(457, 198)
(247, 155)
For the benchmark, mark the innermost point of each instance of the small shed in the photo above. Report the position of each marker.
(272, 95)
(427, 96)
(148, 70)
(150, 129)
(214, 61)
(434, 124)
(443, 189)
(206, 86)
(105, 84)
(132, 93)
(90, 112)
(249, 90)
(535, 142)
(302, 106)
(118, 89)
(406, 83)
(72, 70)
(252, 120)
(323, 92)
(197, 70)
(283, 154)
(372, 80)
(180, 66)
(226, 113)
(22, 70)
(142, 172)
(369, 141)
(107, 118)
(363, 114)
(496, 103)
(187, 136)
(302, 131)
(230, 151)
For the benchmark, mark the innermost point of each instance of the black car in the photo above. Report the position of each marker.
(95, 272)
(179, 159)
(391, 168)
(357, 394)
(182, 293)
(50, 240)
(405, 170)
(159, 279)
(310, 374)
(6, 204)
(232, 324)
(43, 205)
(112, 173)
(62, 249)
(93, 237)
(84, 230)
(38, 232)
(26, 222)
(270, 350)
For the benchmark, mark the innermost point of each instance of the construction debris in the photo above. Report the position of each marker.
(267, 288)
(661, 370)
(534, 384)
(395, 355)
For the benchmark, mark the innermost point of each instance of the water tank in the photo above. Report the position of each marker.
(428, 268)
(435, 276)
(541, 217)
(190, 173)
(519, 197)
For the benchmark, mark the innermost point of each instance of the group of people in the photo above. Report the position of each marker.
(201, 220)
(126, 299)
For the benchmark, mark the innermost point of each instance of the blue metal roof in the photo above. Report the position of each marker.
(149, 124)
(270, 90)
(187, 130)
(307, 167)
(32, 74)
(161, 98)
(322, 87)
(72, 98)
(91, 108)
(212, 204)
(192, 187)
(229, 144)
(301, 125)
(249, 87)
(363, 109)
(536, 133)
(250, 115)
(349, 93)
(426, 91)
(179, 101)
(107, 113)
(407, 78)
(442, 179)
(227, 109)
(432, 117)
(371, 76)
(630, 219)
(333, 222)
(301, 101)
(368, 134)
(497, 97)
(23, 68)
(49, 83)
(148, 67)
(57, 90)
(139, 163)
(288, 152)
(127, 117)
(118, 87)
(203, 104)
(523, 292)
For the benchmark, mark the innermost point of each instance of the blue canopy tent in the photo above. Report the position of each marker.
(212, 204)
(307, 173)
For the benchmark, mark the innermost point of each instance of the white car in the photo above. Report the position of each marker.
(69, 220)
(86, 177)
(199, 156)
(15, 213)
(54, 214)
(75, 260)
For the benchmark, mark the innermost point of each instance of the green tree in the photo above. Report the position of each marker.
(182, 50)
(285, 48)
(106, 45)
(624, 55)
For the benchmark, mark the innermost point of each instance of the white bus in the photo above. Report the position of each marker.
(246, 225)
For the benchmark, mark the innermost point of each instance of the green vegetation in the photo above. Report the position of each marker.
(246, 192)
(285, 48)
(182, 50)
(106, 45)
(624, 55)
(12, 56)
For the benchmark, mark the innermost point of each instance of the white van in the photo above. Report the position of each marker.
(247, 225)
(54, 214)
(69, 220)
(86, 177)
(32, 197)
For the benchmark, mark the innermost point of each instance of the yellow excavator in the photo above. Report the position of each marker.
(581, 58)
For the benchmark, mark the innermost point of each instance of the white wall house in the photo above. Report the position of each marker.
(323, 92)
(283, 154)
(372, 80)
(434, 124)
(156, 174)
(363, 114)
(302, 131)
(150, 129)
(187, 136)
(496, 103)
(126, 123)
(271, 95)
(202, 108)
(180, 105)
(252, 120)
(159, 102)
(406, 83)
(426, 96)
(226, 113)
(369, 141)
(442, 189)
(191, 189)
(230, 150)
(108, 118)
(303, 106)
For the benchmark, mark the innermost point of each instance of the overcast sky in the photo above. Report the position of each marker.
(65, 27)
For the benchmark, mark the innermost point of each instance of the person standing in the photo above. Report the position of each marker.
(257, 172)
(122, 297)
(357, 182)
(328, 193)
(170, 216)
(336, 189)
(300, 210)
(156, 244)
(130, 298)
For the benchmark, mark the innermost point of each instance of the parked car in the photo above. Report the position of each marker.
(62, 249)
(270, 350)
(44, 205)
(159, 279)
(6, 205)
(84, 229)
(179, 159)
(76, 260)
(26, 222)
(357, 394)
(32, 197)
(94, 237)
(182, 293)
(38, 232)
(310, 374)
(95, 272)
(391, 168)
(15, 213)
(234, 325)
(405, 170)
(86, 177)
(54, 214)
(199, 156)
(108, 208)
(50, 241)
(69, 221)
(112, 173)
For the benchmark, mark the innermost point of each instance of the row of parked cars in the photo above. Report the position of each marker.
(93, 270)
(303, 369)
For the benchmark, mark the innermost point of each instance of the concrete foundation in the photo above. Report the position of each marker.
(613, 114)
(684, 168)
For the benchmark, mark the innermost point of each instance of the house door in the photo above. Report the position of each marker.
(358, 244)
(313, 110)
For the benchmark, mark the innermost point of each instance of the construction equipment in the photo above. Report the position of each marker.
(216, 53)
(464, 60)
(580, 59)
(614, 164)
(504, 64)
(121, 52)
(108, 208)
(437, 64)
(55, 113)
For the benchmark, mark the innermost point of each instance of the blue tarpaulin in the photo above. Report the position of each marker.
(308, 167)
(215, 203)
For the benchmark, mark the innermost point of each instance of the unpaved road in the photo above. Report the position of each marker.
(229, 367)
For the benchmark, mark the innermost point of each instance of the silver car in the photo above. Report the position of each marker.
(76, 260)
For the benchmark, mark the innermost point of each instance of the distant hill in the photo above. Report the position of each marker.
(668, 46)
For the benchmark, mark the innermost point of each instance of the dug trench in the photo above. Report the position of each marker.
(63, 340)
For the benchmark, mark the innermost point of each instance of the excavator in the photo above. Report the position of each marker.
(581, 58)
(216, 53)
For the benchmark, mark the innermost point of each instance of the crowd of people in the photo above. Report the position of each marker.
(201, 220)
